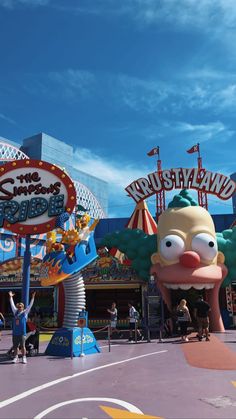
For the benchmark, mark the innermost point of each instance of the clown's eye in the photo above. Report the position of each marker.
(172, 247)
(205, 245)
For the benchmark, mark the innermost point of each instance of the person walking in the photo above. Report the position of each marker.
(183, 318)
(2, 324)
(19, 326)
(201, 311)
(113, 321)
(133, 320)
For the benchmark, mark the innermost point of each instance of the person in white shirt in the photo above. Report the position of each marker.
(133, 319)
(114, 313)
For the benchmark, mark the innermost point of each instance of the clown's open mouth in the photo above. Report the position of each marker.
(176, 282)
(172, 293)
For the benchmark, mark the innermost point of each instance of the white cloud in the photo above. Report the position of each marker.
(7, 119)
(12, 4)
(202, 14)
(73, 82)
(201, 90)
(117, 173)
(211, 16)
(227, 96)
(141, 94)
(216, 131)
(156, 96)
(210, 74)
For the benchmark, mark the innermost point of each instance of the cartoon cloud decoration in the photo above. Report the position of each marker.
(137, 246)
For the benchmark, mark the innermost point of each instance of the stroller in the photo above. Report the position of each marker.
(31, 343)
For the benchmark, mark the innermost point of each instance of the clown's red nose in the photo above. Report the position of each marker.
(190, 259)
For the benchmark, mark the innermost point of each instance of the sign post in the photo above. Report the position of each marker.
(154, 315)
(82, 324)
(26, 272)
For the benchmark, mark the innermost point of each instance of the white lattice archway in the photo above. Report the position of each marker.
(86, 198)
(9, 153)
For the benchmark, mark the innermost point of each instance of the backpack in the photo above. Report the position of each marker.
(180, 313)
(136, 315)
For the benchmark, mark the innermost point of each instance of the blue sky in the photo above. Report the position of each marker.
(115, 78)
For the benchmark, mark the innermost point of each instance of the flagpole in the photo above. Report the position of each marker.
(198, 146)
(160, 196)
(199, 159)
(202, 196)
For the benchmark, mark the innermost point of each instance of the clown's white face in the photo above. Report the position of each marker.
(187, 254)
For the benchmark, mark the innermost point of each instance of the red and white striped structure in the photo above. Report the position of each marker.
(141, 219)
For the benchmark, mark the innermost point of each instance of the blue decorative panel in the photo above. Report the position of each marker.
(67, 343)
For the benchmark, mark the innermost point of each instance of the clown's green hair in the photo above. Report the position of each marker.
(183, 199)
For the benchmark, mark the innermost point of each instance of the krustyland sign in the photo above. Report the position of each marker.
(214, 183)
(33, 194)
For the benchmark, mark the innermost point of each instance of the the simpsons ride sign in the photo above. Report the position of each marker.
(33, 194)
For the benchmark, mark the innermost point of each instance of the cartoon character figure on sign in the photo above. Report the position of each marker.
(65, 260)
(105, 261)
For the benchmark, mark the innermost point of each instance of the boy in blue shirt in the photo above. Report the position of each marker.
(19, 326)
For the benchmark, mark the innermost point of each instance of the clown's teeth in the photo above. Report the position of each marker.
(209, 286)
(172, 286)
(188, 286)
(185, 286)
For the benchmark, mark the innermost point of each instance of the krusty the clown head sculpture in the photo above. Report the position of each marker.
(185, 253)
(188, 254)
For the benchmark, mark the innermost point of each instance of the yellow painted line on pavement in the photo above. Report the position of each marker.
(234, 383)
(121, 414)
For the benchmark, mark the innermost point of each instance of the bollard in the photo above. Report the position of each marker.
(109, 337)
(135, 331)
(82, 342)
(160, 335)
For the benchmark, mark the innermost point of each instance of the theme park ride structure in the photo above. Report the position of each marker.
(33, 194)
(186, 253)
(63, 262)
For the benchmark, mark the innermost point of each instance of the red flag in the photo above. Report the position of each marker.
(193, 149)
(153, 151)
